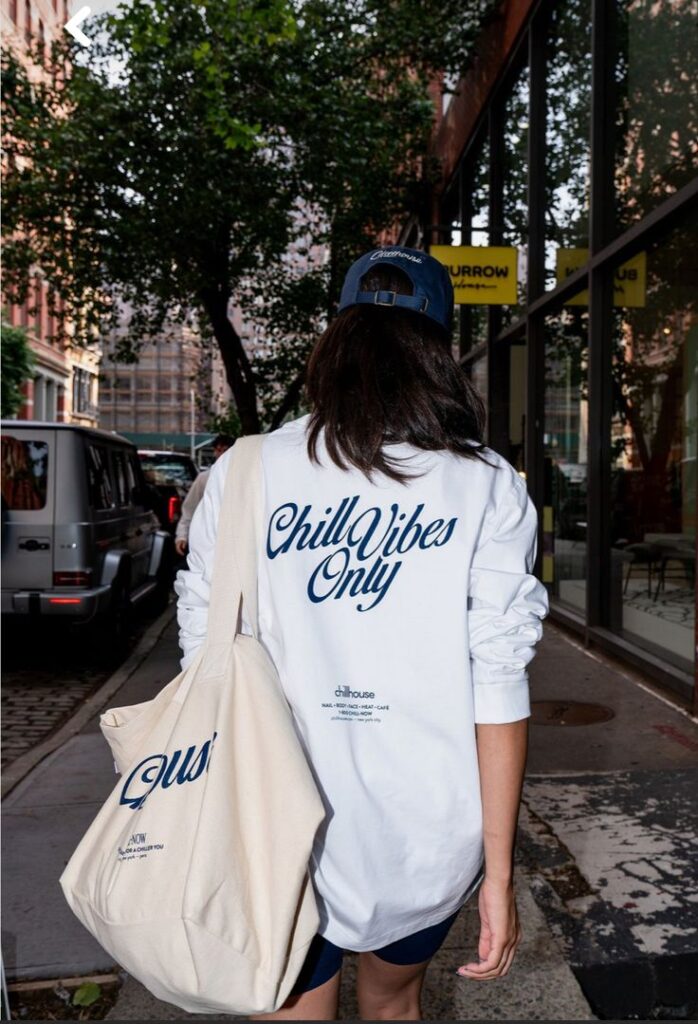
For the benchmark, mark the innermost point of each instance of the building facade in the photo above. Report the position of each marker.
(64, 386)
(167, 398)
(573, 139)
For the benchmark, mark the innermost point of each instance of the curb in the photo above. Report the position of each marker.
(25, 763)
(37, 985)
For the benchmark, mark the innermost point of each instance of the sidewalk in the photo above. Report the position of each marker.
(607, 812)
(608, 830)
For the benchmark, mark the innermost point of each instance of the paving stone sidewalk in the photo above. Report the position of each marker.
(48, 672)
(608, 830)
(539, 986)
(34, 705)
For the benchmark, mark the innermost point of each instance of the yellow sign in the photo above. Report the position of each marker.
(629, 286)
(481, 275)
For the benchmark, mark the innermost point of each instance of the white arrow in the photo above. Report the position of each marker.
(72, 26)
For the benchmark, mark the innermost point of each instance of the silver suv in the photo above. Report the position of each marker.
(79, 537)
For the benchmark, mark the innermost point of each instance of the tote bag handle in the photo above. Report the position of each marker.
(235, 559)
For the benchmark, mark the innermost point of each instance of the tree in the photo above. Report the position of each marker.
(17, 364)
(175, 167)
(227, 422)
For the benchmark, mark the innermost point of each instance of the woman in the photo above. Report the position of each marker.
(397, 602)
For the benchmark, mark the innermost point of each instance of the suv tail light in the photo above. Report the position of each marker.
(72, 579)
(173, 506)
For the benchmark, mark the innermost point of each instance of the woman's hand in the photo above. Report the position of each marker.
(500, 932)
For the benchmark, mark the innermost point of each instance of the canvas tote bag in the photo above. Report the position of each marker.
(194, 874)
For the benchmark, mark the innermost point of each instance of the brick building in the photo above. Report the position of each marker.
(65, 382)
(168, 396)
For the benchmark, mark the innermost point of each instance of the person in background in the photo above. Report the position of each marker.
(196, 492)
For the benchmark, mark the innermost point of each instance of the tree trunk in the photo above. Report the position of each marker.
(655, 459)
(667, 419)
(238, 370)
(632, 415)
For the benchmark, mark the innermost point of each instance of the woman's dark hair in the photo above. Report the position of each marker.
(223, 441)
(386, 375)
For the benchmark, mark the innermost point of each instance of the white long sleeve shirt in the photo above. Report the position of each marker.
(190, 504)
(398, 616)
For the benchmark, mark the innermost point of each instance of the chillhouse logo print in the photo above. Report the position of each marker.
(365, 547)
(345, 691)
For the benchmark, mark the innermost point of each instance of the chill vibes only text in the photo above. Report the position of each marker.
(364, 549)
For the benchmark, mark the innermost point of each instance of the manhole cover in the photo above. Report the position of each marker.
(568, 712)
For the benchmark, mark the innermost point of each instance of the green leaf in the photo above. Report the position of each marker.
(16, 366)
(87, 994)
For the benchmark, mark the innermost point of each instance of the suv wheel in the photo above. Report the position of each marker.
(120, 615)
(160, 598)
(111, 632)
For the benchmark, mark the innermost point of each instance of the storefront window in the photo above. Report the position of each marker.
(568, 88)
(480, 197)
(629, 560)
(657, 69)
(478, 378)
(451, 215)
(514, 230)
(475, 317)
(517, 403)
(653, 509)
(565, 448)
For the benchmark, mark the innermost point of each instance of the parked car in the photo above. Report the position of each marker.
(166, 499)
(80, 538)
(170, 474)
(174, 467)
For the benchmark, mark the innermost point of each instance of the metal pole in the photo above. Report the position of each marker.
(535, 286)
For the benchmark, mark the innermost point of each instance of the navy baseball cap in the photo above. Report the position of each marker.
(432, 291)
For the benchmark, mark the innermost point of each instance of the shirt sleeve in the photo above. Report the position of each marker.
(506, 603)
(190, 504)
(193, 584)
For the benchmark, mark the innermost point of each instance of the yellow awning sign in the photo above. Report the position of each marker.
(629, 285)
(481, 274)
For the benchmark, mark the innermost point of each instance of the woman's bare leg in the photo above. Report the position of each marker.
(389, 991)
(321, 1003)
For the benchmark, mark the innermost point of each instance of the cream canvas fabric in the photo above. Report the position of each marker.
(194, 874)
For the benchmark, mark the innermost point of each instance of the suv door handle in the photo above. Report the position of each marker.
(34, 545)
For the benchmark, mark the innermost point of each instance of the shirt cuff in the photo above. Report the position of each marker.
(186, 661)
(498, 703)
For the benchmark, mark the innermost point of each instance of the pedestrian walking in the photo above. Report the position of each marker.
(221, 444)
(397, 601)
